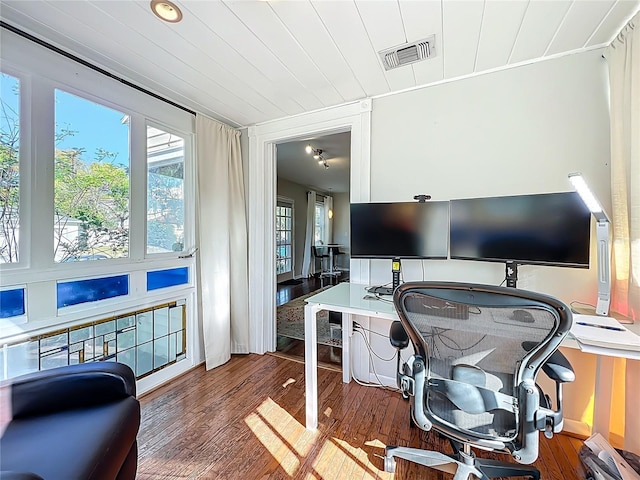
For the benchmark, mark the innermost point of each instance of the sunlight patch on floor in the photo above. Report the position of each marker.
(281, 434)
(339, 459)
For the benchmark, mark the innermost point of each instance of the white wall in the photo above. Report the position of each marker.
(511, 132)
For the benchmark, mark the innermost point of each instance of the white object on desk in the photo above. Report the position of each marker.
(605, 335)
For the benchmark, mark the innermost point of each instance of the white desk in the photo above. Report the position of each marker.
(347, 298)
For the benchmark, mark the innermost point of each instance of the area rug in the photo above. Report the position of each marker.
(290, 322)
(293, 281)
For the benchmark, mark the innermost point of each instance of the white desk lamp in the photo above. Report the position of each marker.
(602, 234)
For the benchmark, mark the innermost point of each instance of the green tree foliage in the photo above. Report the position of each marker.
(95, 197)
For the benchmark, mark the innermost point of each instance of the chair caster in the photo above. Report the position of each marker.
(389, 464)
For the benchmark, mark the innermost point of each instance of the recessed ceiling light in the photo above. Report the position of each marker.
(166, 10)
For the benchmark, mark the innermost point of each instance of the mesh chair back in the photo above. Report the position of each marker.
(492, 338)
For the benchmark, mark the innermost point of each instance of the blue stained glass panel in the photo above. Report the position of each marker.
(167, 278)
(12, 303)
(82, 291)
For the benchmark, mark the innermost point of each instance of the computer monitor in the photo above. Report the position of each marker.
(543, 229)
(400, 230)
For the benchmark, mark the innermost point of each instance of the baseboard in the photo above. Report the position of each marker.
(295, 358)
(576, 428)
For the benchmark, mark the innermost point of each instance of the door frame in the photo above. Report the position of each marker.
(354, 118)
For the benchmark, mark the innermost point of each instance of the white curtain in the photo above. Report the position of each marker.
(308, 261)
(222, 233)
(328, 222)
(623, 58)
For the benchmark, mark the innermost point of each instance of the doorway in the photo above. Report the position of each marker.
(313, 174)
(354, 118)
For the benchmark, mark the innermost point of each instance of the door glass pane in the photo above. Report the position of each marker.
(284, 225)
(9, 167)
(165, 191)
(91, 218)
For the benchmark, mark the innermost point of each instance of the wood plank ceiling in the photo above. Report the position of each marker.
(245, 62)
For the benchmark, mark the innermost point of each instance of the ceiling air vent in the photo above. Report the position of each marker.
(408, 53)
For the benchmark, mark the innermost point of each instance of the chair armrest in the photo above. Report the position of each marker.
(558, 368)
(70, 387)
(398, 336)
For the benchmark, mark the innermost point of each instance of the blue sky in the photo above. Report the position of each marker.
(96, 126)
(9, 98)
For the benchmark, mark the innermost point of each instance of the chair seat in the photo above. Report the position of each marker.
(91, 443)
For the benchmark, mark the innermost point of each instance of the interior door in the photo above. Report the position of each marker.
(284, 239)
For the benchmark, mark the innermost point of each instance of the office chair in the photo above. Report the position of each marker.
(477, 351)
(319, 252)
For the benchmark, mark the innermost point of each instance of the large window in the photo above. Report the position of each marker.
(91, 217)
(97, 187)
(9, 168)
(165, 191)
(320, 231)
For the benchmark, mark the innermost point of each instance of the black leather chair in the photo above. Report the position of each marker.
(472, 378)
(78, 422)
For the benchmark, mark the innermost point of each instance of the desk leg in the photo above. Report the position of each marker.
(603, 392)
(346, 347)
(311, 365)
(632, 412)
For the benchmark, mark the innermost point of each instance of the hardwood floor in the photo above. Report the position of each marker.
(286, 293)
(245, 420)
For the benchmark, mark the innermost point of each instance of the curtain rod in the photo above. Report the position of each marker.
(320, 194)
(79, 60)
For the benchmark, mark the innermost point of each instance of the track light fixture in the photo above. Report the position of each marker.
(317, 155)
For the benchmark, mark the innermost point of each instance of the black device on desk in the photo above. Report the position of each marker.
(381, 290)
(395, 270)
